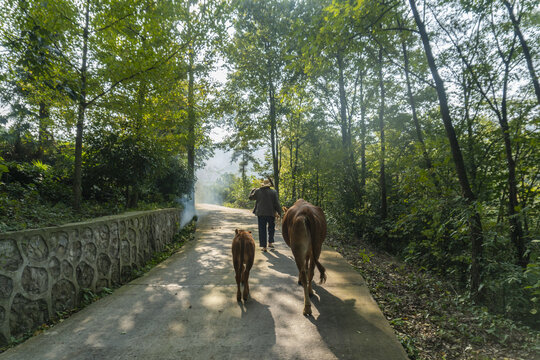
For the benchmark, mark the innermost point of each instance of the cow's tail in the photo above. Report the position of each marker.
(310, 225)
(322, 270)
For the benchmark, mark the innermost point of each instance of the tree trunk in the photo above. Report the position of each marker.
(351, 180)
(42, 135)
(516, 230)
(295, 169)
(273, 129)
(470, 132)
(525, 48)
(345, 136)
(77, 175)
(475, 222)
(412, 103)
(136, 181)
(362, 137)
(382, 179)
(243, 166)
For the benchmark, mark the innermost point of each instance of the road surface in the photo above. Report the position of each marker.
(185, 308)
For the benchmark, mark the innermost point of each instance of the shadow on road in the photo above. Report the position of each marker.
(341, 333)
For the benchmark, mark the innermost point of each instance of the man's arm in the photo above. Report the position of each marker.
(252, 194)
(277, 206)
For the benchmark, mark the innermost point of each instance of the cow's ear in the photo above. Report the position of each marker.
(284, 209)
(236, 231)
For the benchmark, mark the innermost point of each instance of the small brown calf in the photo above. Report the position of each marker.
(243, 252)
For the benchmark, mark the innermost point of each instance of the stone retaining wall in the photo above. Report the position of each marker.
(43, 271)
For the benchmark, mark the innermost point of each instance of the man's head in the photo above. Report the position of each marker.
(266, 183)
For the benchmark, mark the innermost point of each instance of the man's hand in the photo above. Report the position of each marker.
(252, 194)
(277, 219)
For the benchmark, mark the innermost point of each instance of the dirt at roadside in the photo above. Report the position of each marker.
(427, 315)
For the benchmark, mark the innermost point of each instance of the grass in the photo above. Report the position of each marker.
(29, 210)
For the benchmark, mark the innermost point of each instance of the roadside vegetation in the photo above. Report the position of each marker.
(34, 195)
(431, 318)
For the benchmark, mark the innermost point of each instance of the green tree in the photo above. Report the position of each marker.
(258, 58)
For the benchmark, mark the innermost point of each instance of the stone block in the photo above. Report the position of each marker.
(103, 237)
(63, 296)
(11, 258)
(54, 268)
(74, 251)
(6, 287)
(85, 275)
(103, 264)
(60, 241)
(26, 315)
(35, 247)
(90, 251)
(67, 269)
(35, 280)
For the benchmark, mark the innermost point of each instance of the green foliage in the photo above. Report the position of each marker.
(532, 281)
(3, 167)
(431, 318)
(365, 255)
(236, 194)
(303, 81)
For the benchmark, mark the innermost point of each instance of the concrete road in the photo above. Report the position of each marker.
(186, 308)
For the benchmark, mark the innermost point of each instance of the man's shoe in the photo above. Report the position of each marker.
(264, 249)
(271, 245)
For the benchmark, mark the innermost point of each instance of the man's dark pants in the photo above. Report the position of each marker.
(263, 222)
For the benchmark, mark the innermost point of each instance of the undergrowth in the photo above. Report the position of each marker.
(431, 319)
(31, 212)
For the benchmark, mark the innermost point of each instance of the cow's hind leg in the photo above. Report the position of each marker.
(307, 302)
(311, 268)
(303, 278)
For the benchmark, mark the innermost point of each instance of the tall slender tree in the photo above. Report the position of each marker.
(477, 237)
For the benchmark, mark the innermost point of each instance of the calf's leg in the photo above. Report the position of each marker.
(245, 280)
(250, 255)
(238, 274)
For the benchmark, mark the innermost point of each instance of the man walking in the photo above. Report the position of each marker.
(266, 205)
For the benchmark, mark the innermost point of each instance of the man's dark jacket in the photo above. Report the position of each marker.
(266, 201)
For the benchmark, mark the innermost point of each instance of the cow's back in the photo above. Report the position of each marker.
(313, 214)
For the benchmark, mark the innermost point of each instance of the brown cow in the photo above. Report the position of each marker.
(304, 230)
(243, 252)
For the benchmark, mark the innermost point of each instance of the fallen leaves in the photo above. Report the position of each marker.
(428, 320)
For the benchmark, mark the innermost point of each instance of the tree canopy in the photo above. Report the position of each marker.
(413, 124)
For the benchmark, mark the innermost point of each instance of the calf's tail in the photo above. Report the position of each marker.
(242, 249)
